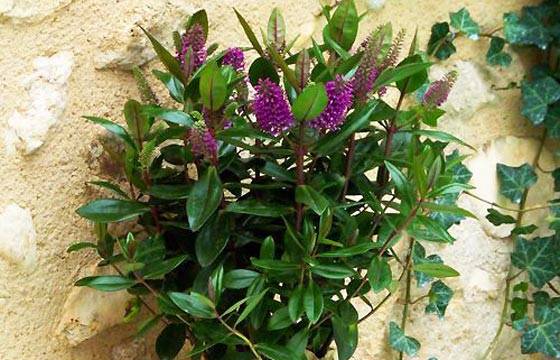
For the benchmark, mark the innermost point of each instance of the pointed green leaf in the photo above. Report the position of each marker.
(116, 129)
(343, 25)
(275, 352)
(258, 208)
(440, 44)
(106, 282)
(212, 239)
(112, 210)
(313, 302)
(204, 198)
(305, 194)
(168, 60)
(194, 304)
(157, 270)
(213, 87)
(239, 278)
(497, 218)
(437, 270)
(310, 103)
(379, 274)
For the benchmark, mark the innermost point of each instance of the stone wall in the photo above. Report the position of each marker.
(65, 58)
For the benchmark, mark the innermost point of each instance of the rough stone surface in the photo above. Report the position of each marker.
(88, 312)
(18, 242)
(50, 181)
(46, 89)
(126, 46)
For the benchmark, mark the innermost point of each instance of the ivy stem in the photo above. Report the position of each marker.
(241, 336)
(408, 272)
(524, 210)
(510, 278)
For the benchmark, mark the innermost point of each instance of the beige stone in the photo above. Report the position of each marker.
(18, 242)
(28, 11)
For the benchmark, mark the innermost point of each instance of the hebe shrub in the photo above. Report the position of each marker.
(274, 195)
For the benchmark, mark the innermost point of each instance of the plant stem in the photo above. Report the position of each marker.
(300, 153)
(241, 336)
(348, 166)
(406, 303)
(523, 210)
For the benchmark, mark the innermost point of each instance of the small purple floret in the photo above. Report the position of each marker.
(271, 108)
(235, 58)
(340, 98)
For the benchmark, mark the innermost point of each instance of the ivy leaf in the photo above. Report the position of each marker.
(554, 215)
(552, 122)
(515, 180)
(419, 257)
(529, 29)
(400, 342)
(536, 96)
(497, 218)
(538, 256)
(462, 21)
(543, 336)
(440, 44)
(496, 54)
(439, 295)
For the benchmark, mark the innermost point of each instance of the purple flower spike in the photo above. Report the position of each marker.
(203, 143)
(235, 58)
(340, 99)
(439, 90)
(271, 108)
(195, 39)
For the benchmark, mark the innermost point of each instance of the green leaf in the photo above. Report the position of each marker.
(204, 198)
(258, 208)
(543, 336)
(295, 303)
(150, 250)
(536, 96)
(252, 303)
(449, 209)
(343, 25)
(194, 304)
(106, 282)
(310, 103)
(173, 84)
(552, 121)
(275, 265)
(279, 320)
(239, 278)
(250, 34)
(170, 341)
(353, 250)
(170, 115)
(261, 68)
(440, 135)
(496, 54)
(400, 342)
(332, 271)
(156, 270)
(401, 72)
(80, 246)
(112, 210)
(170, 192)
(413, 82)
(538, 256)
(345, 330)
(276, 29)
(462, 21)
(212, 239)
(440, 44)
(267, 248)
(313, 302)
(419, 257)
(200, 17)
(437, 270)
(379, 274)
(168, 60)
(116, 129)
(497, 218)
(425, 228)
(213, 87)
(275, 352)
(305, 194)
(515, 180)
(399, 179)
(439, 295)
(529, 29)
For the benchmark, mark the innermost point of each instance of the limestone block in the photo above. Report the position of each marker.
(471, 91)
(29, 11)
(46, 88)
(375, 4)
(18, 237)
(512, 151)
(127, 46)
(87, 312)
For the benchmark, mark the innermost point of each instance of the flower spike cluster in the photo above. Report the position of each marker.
(271, 108)
(439, 90)
(369, 69)
(195, 40)
(203, 143)
(339, 93)
(235, 58)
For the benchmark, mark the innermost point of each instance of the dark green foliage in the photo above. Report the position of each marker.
(257, 245)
